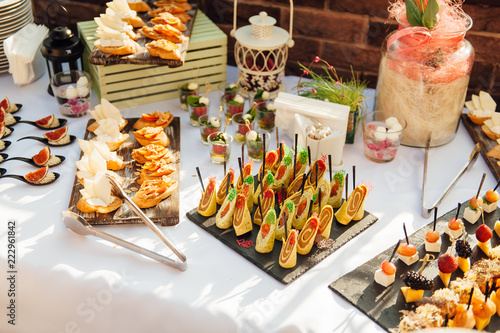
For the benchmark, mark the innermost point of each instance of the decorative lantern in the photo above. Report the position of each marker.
(60, 47)
(261, 52)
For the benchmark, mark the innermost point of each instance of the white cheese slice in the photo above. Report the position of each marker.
(102, 187)
(409, 260)
(489, 208)
(471, 215)
(433, 247)
(452, 233)
(487, 102)
(470, 105)
(111, 111)
(96, 162)
(85, 146)
(476, 101)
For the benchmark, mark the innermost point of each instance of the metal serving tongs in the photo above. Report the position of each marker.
(426, 212)
(121, 193)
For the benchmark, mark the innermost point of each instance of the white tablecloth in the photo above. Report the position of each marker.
(69, 283)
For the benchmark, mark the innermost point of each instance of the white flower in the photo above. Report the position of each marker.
(271, 107)
(214, 121)
(265, 95)
(391, 121)
(193, 86)
(252, 135)
(204, 100)
(392, 134)
(71, 92)
(239, 99)
(380, 133)
(82, 81)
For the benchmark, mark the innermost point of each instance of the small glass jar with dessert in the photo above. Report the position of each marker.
(261, 97)
(255, 143)
(185, 90)
(233, 106)
(219, 144)
(208, 125)
(198, 106)
(242, 123)
(266, 117)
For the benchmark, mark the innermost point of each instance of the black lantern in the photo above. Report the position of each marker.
(60, 47)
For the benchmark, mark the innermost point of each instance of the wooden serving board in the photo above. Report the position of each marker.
(166, 212)
(268, 262)
(383, 305)
(486, 144)
(142, 57)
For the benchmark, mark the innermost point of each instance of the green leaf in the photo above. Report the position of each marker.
(430, 17)
(413, 14)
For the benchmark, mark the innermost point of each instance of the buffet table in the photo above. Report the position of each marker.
(68, 283)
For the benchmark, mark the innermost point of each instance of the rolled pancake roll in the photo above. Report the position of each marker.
(224, 217)
(286, 216)
(265, 238)
(221, 192)
(307, 235)
(266, 203)
(288, 254)
(208, 205)
(242, 221)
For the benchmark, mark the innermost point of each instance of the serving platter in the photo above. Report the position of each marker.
(166, 212)
(142, 56)
(268, 262)
(383, 305)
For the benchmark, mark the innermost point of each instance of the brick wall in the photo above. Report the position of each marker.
(350, 32)
(344, 32)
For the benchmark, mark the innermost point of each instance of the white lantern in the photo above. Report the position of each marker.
(261, 52)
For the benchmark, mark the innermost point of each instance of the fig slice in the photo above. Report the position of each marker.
(56, 135)
(5, 104)
(2, 114)
(37, 175)
(45, 122)
(43, 156)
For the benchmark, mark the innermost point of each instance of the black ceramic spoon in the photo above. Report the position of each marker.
(11, 130)
(21, 178)
(72, 138)
(3, 157)
(62, 122)
(30, 160)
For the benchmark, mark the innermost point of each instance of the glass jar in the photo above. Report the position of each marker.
(423, 77)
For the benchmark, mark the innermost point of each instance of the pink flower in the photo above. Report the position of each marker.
(330, 68)
(314, 91)
(341, 95)
(306, 72)
(338, 82)
(317, 59)
(300, 86)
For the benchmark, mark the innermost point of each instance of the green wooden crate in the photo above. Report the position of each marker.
(129, 85)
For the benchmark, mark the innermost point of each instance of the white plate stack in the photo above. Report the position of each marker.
(14, 15)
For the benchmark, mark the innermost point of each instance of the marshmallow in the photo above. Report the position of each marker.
(193, 86)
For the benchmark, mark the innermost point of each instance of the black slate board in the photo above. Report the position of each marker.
(486, 144)
(381, 304)
(166, 212)
(269, 262)
(142, 57)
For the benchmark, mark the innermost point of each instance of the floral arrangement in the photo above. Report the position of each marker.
(422, 13)
(330, 87)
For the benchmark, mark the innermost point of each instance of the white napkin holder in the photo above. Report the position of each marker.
(295, 113)
(22, 49)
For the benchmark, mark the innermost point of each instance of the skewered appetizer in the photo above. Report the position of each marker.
(447, 264)
(271, 158)
(288, 254)
(265, 238)
(483, 310)
(325, 221)
(483, 235)
(490, 200)
(350, 207)
(296, 185)
(408, 253)
(283, 173)
(336, 189)
(473, 210)
(464, 317)
(320, 195)
(497, 228)
(432, 241)
(386, 274)
(464, 252)
(268, 183)
(301, 161)
(208, 205)
(313, 177)
(221, 192)
(246, 171)
(224, 217)
(242, 220)
(248, 191)
(454, 228)
(415, 286)
(266, 203)
(285, 218)
(302, 210)
(307, 235)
